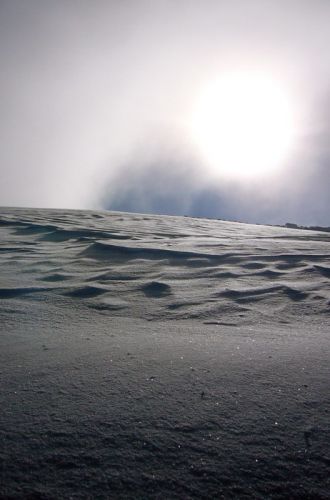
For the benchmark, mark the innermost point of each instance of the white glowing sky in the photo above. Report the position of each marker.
(237, 89)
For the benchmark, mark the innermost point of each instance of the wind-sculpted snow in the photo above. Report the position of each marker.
(185, 267)
(148, 357)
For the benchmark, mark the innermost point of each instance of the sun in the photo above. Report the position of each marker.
(243, 125)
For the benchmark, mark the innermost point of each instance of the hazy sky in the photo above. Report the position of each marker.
(96, 96)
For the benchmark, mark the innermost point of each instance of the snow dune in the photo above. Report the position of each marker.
(194, 268)
(162, 357)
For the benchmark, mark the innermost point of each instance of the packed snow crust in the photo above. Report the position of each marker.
(162, 357)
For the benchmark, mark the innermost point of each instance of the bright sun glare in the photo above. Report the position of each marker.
(243, 125)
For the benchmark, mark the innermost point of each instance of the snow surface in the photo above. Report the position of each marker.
(162, 357)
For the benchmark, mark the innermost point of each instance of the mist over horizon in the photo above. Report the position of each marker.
(98, 101)
(172, 185)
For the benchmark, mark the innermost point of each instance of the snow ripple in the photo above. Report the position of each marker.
(159, 266)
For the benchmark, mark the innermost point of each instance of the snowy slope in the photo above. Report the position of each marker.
(162, 357)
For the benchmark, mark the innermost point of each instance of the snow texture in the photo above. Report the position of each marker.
(162, 357)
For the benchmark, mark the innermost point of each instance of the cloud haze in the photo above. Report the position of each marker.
(96, 98)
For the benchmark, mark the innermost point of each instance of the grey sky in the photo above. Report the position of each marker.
(95, 95)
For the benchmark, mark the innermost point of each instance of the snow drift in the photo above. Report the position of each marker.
(162, 357)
